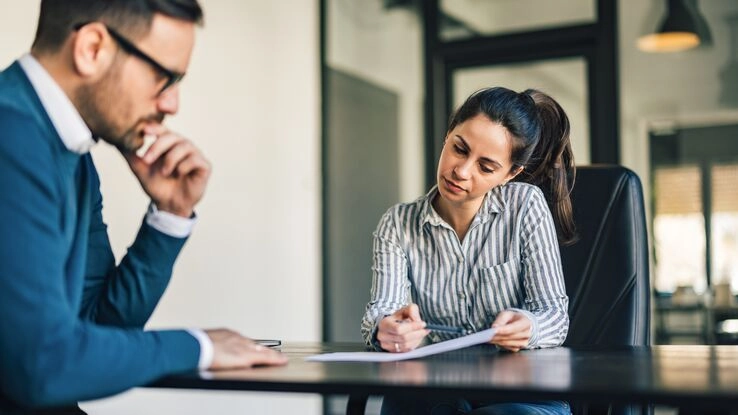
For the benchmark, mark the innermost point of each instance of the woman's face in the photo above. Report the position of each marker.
(475, 158)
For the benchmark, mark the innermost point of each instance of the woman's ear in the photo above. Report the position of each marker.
(513, 173)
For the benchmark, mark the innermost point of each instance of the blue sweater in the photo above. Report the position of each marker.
(71, 321)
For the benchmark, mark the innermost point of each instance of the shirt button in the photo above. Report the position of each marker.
(462, 296)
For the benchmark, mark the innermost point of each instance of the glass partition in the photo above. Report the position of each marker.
(459, 19)
(564, 79)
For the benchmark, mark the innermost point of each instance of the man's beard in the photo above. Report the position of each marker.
(104, 107)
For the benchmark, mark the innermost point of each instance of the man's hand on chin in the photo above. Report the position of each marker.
(172, 171)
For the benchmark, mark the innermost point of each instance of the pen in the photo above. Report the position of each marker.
(268, 342)
(439, 327)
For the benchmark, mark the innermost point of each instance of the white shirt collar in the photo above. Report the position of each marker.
(70, 126)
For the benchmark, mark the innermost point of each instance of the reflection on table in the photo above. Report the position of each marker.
(670, 375)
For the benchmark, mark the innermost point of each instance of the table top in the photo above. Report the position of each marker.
(673, 375)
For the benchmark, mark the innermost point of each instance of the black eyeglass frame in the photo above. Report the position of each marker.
(172, 77)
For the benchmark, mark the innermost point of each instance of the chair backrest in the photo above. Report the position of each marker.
(606, 271)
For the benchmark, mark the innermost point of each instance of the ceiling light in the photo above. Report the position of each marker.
(683, 28)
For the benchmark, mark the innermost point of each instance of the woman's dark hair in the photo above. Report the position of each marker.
(540, 144)
(58, 18)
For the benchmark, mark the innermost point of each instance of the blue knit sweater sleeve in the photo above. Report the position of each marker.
(48, 354)
(124, 295)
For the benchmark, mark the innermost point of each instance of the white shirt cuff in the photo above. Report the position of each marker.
(206, 348)
(169, 223)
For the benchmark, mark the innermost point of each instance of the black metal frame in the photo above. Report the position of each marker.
(596, 42)
(325, 321)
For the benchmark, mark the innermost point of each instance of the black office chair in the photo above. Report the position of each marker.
(606, 271)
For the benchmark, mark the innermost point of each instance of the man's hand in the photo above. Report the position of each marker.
(233, 351)
(402, 331)
(512, 331)
(173, 172)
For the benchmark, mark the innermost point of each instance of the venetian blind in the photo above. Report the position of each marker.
(678, 190)
(725, 188)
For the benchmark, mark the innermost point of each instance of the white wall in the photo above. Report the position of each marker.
(251, 102)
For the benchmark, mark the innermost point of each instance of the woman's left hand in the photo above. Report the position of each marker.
(512, 331)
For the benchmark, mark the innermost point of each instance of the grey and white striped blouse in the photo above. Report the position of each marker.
(509, 259)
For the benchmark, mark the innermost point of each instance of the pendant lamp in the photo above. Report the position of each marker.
(683, 28)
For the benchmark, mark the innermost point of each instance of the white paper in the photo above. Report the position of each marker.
(446, 346)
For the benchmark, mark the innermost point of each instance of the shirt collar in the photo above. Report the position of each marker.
(67, 121)
(493, 203)
(429, 215)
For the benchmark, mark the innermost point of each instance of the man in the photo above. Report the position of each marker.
(71, 321)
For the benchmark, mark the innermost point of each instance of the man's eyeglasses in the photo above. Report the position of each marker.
(172, 77)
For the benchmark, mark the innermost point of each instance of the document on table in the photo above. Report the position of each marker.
(446, 346)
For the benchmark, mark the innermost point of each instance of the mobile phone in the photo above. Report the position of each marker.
(268, 342)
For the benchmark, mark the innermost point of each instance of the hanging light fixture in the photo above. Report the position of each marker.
(683, 28)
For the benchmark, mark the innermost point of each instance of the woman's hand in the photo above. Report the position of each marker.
(402, 331)
(512, 331)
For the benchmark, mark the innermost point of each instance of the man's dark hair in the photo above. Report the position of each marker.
(133, 17)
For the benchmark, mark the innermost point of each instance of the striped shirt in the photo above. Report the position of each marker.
(508, 260)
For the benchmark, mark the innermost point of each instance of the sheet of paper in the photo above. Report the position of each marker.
(446, 346)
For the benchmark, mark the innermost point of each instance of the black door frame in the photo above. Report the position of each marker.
(596, 42)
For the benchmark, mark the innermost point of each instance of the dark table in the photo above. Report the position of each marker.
(704, 376)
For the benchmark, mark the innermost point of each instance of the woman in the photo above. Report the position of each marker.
(481, 248)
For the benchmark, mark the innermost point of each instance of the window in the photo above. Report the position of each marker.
(678, 229)
(724, 227)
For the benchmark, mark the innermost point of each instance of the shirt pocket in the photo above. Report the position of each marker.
(498, 288)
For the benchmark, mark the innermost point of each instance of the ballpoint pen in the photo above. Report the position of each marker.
(440, 327)
(268, 342)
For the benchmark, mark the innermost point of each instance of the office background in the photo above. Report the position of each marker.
(252, 102)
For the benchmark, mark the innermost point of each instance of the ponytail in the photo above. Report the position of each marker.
(551, 164)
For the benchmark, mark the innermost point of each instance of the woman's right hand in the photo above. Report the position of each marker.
(402, 331)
